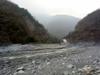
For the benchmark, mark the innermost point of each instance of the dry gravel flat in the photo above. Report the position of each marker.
(50, 59)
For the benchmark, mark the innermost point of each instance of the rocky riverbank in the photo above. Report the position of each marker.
(50, 60)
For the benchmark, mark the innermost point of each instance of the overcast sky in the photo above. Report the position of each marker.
(78, 8)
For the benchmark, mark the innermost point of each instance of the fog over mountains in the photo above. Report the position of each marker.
(58, 25)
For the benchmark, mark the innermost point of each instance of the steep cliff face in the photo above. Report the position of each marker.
(88, 29)
(18, 26)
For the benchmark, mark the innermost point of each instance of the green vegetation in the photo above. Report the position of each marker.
(87, 30)
(18, 26)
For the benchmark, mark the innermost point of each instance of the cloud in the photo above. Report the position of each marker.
(70, 7)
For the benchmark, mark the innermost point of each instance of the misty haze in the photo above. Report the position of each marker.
(49, 37)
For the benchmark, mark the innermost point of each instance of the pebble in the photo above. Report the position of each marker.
(33, 62)
(73, 72)
(96, 61)
(87, 69)
(64, 58)
(66, 73)
(21, 71)
(98, 71)
(20, 68)
(63, 63)
(90, 56)
(48, 63)
(70, 66)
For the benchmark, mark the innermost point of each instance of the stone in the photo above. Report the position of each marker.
(70, 66)
(20, 69)
(66, 73)
(33, 62)
(98, 71)
(73, 72)
(87, 69)
(48, 63)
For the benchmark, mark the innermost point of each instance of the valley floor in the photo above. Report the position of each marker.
(49, 59)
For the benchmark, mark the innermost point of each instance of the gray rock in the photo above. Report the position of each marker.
(70, 66)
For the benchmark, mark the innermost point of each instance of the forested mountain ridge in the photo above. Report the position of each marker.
(87, 30)
(18, 26)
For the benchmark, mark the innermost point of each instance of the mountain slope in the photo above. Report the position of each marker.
(18, 26)
(88, 29)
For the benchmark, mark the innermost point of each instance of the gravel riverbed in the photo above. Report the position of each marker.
(49, 59)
